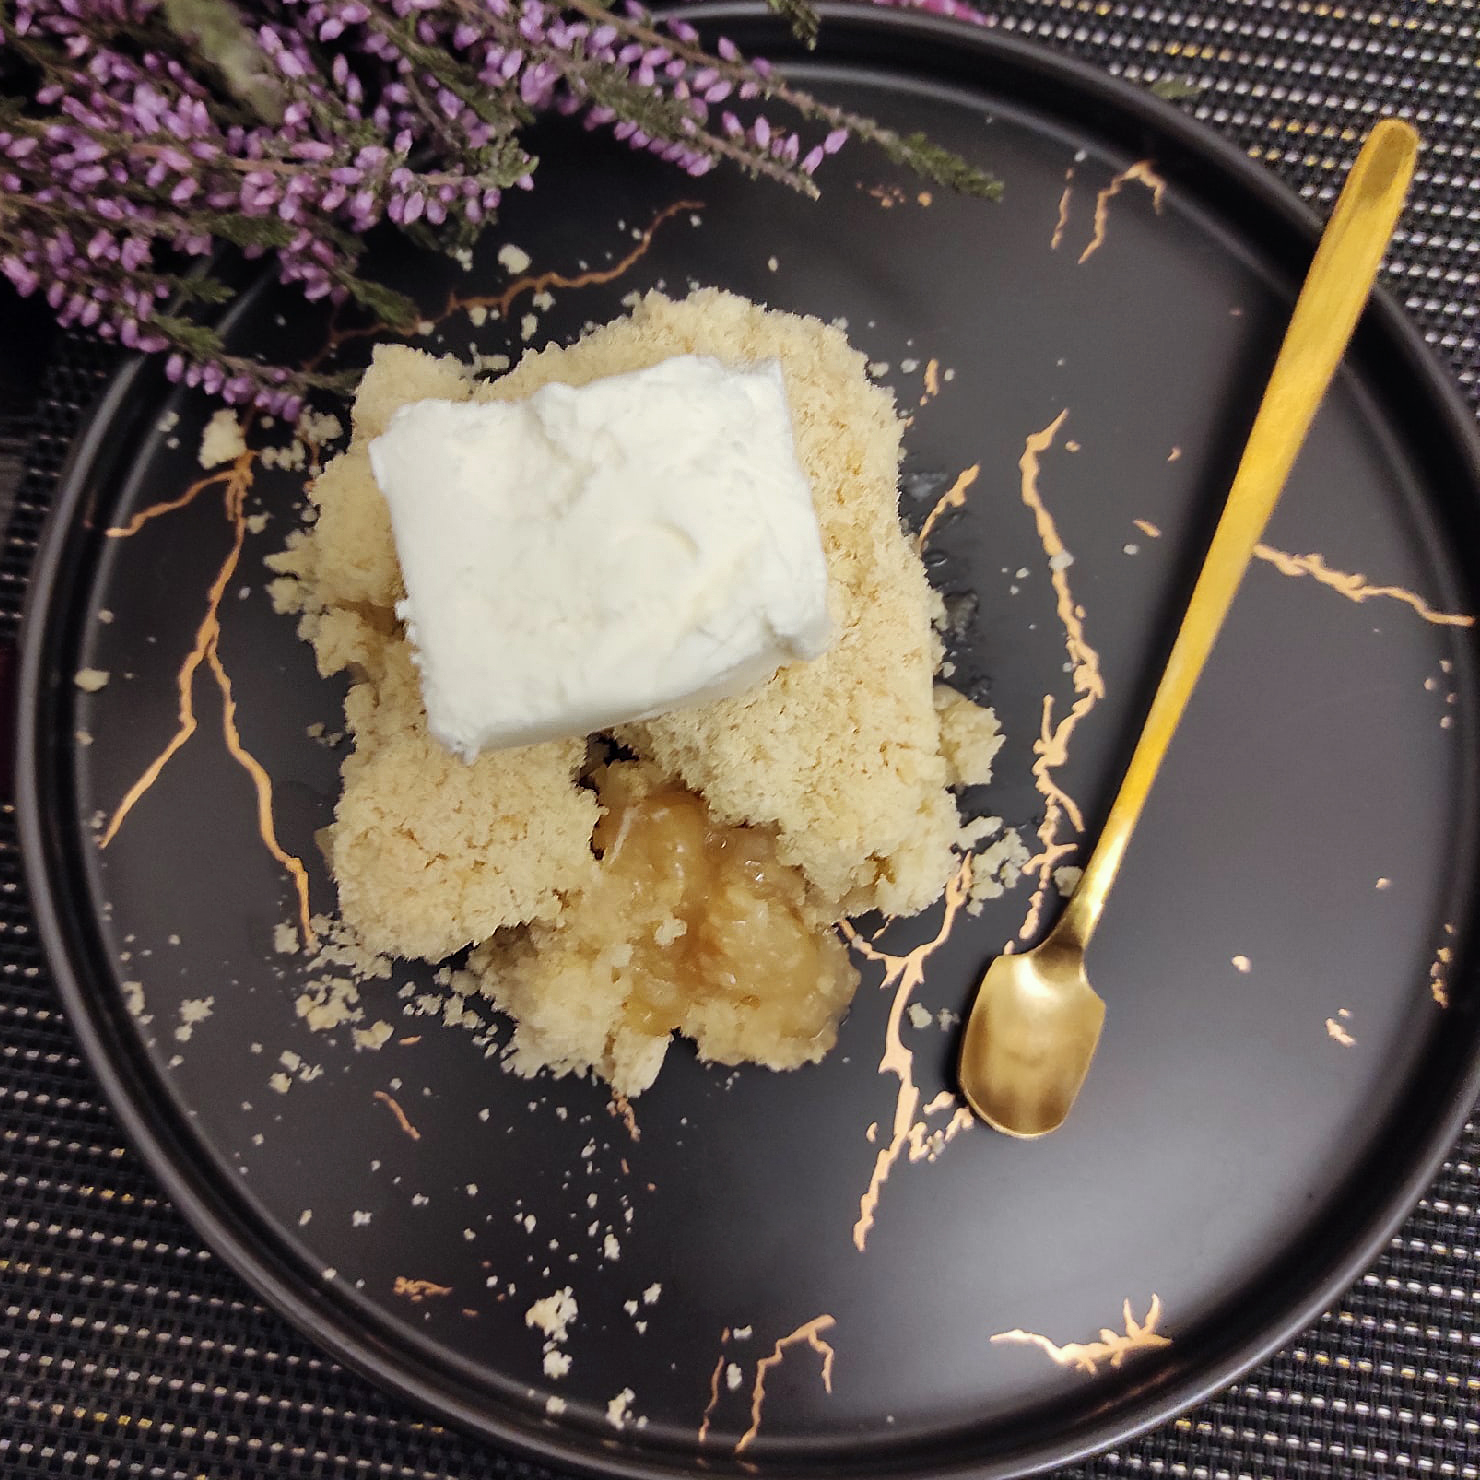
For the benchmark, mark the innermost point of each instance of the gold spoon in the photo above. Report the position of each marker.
(1036, 1020)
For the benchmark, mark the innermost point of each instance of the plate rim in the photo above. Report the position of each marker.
(224, 1221)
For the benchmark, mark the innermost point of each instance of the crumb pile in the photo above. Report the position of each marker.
(843, 766)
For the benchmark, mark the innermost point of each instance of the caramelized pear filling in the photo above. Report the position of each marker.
(685, 925)
(734, 932)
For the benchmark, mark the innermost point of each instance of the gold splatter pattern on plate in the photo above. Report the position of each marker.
(808, 1334)
(1112, 1348)
(542, 282)
(417, 1291)
(953, 498)
(1356, 587)
(1065, 198)
(1141, 173)
(1051, 749)
(168, 506)
(714, 1377)
(235, 485)
(911, 1132)
(1336, 1028)
(930, 387)
(498, 304)
(394, 1106)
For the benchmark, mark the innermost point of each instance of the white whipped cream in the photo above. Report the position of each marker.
(593, 555)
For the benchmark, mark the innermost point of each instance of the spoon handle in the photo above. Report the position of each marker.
(1325, 316)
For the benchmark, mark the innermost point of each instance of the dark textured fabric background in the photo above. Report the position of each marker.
(127, 1349)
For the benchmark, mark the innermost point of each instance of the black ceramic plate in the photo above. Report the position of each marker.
(829, 1271)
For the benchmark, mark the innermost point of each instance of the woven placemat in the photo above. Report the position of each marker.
(127, 1349)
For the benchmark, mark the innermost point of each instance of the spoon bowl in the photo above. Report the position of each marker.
(1030, 1040)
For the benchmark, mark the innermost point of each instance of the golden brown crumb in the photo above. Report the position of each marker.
(376, 1036)
(970, 738)
(431, 853)
(222, 440)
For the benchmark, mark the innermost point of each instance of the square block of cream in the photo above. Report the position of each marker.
(604, 553)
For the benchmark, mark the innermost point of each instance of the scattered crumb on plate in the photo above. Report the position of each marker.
(222, 440)
(512, 259)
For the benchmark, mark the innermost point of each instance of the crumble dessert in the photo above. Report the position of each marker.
(686, 875)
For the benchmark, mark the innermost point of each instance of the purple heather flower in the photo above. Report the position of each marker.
(23, 277)
(139, 149)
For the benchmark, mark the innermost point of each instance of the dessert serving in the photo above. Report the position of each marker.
(682, 868)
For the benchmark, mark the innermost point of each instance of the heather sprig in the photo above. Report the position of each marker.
(139, 136)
